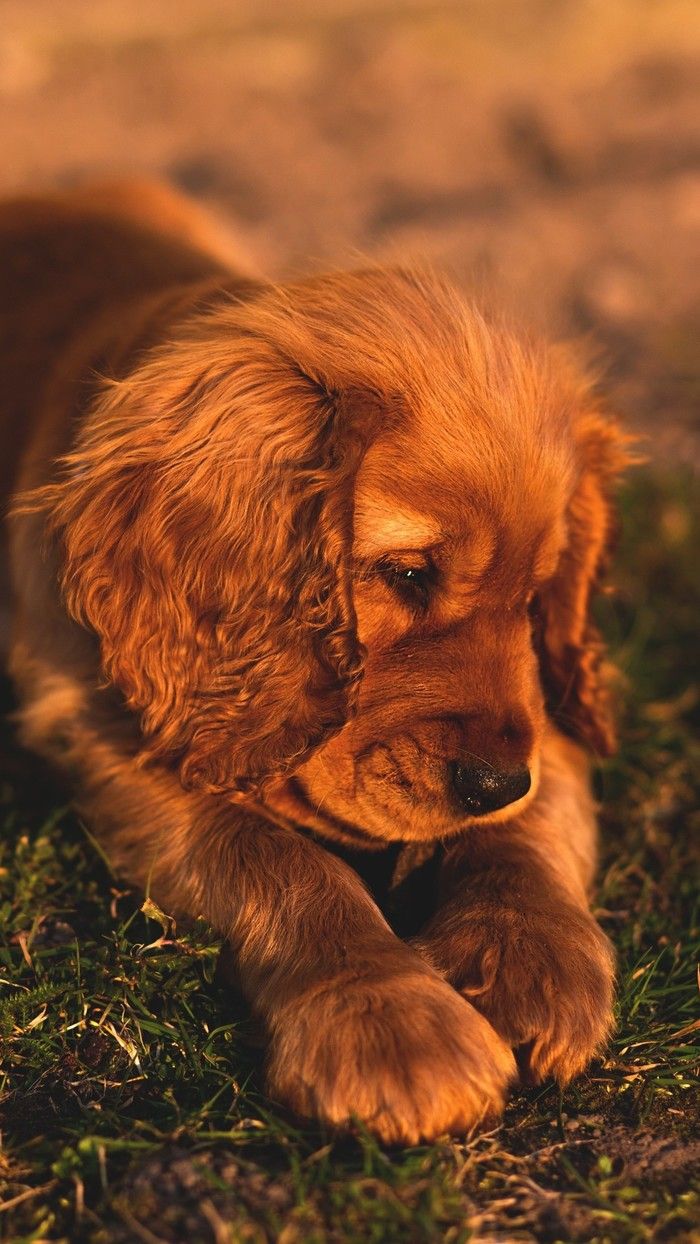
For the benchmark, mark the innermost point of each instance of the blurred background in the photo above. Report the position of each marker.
(545, 151)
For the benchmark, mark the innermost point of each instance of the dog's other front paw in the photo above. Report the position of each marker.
(544, 980)
(405, 1055)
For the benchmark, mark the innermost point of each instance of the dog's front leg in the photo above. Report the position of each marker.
(359, 1024)
(513, 930)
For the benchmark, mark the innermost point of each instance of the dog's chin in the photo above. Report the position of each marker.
(380, 812)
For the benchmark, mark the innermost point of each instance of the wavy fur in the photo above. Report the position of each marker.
(212, 625)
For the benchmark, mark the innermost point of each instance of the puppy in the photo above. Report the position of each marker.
(301, 575)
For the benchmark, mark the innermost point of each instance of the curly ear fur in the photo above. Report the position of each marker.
(205, 520)
(569, 643)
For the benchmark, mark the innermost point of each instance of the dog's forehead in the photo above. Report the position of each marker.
(445, 478)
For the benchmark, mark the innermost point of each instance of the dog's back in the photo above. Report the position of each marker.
(82, 271)
(66, 262)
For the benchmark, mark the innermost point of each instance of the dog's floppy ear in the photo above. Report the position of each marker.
(205, 519)
(570, 646)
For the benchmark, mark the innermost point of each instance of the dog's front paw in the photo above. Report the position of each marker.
(544, 980)
(406, 1056)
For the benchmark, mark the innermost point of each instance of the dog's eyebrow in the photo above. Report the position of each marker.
(382, 525)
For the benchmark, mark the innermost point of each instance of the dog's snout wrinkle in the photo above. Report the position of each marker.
(386, 763)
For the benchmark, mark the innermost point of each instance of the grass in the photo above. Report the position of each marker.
(130, 1091)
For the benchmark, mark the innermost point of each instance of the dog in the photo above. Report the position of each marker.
(300, 579)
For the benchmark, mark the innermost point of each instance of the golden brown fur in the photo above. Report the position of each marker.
(308, 568)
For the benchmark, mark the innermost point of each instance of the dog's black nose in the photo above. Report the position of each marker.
(481, 789)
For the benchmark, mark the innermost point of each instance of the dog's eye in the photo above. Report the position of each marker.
(411, 583)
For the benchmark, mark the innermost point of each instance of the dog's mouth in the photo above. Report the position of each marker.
(447, 794)
(292, 802)
(390, 794)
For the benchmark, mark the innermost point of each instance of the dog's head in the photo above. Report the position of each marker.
(338, 544)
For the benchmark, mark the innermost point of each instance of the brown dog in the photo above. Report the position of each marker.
(310, 581)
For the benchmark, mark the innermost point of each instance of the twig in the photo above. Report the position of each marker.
(26, 1196)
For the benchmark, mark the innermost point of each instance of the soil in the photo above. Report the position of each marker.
(543, 151)
(188, 1194)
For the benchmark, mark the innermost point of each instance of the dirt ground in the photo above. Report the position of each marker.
(543, 151)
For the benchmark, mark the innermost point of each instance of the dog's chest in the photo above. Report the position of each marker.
(402, 879)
